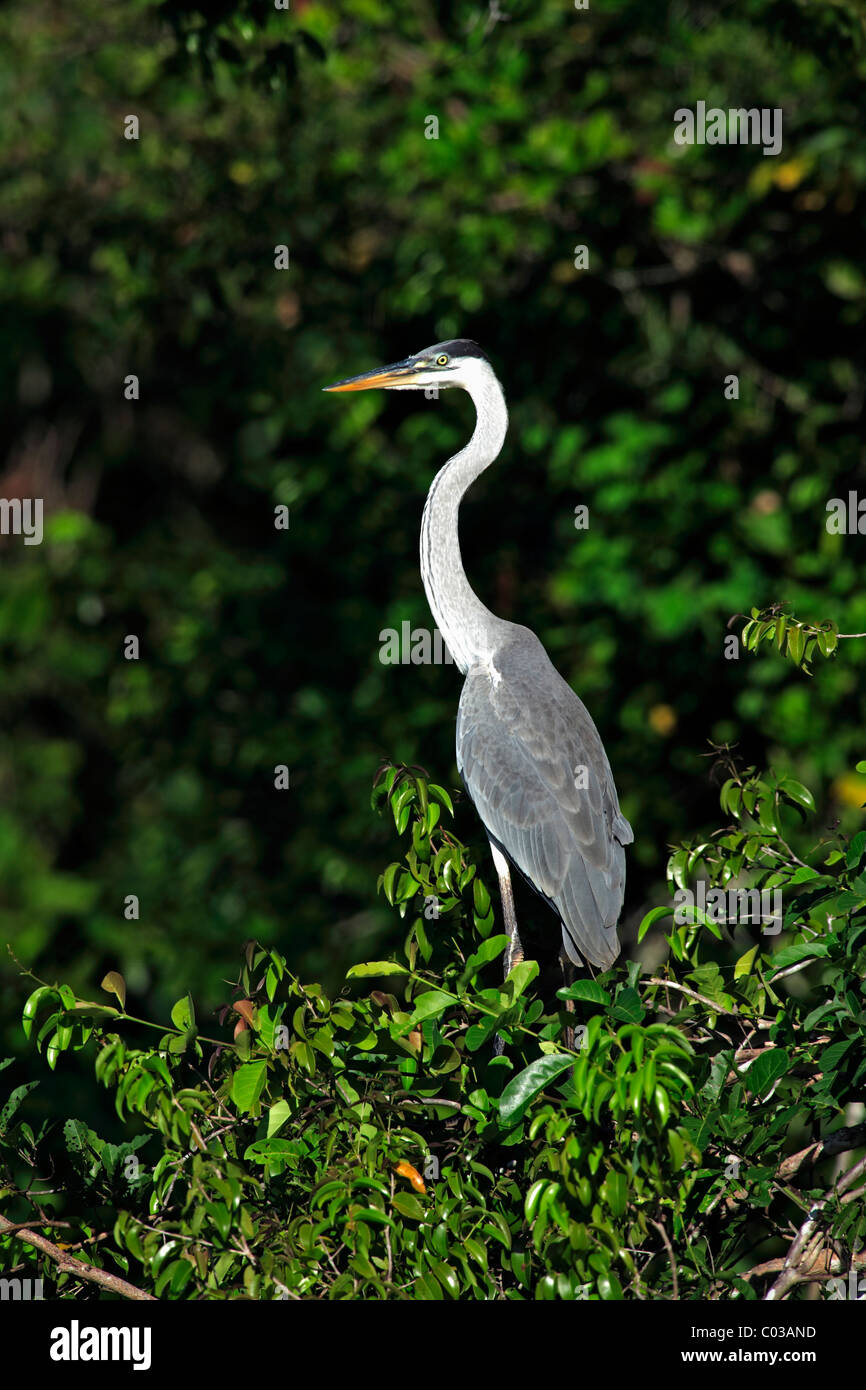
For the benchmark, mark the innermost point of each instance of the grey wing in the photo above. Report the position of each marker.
(535, 767)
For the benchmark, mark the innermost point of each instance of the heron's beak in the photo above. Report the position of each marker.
(397, 374)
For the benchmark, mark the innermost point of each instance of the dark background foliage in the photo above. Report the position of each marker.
(261, 647)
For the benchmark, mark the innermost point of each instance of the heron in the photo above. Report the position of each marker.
(528, 752)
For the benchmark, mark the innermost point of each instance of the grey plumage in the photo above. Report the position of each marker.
(524, 744)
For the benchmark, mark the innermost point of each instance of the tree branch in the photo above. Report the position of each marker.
(806, 1248)
(837, 1143)
(827, 1266)
(68, 1264)
(701, 998)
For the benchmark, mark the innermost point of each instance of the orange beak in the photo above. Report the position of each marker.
(397, 374)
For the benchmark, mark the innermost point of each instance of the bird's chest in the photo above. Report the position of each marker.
(488, 695)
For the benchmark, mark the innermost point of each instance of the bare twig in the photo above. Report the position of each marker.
(673, 1264)
(701, 998)
(792, 970)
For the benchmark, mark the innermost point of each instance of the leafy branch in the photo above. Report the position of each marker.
(796, 641)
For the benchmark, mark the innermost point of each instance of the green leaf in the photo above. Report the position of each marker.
(765, 1070)
(248, 1083)
(431, 1004)
(796, 644)
(218, 1213)
(12, 1104)
(532, 1200)
(31, 1008)
(376, 967)
(388, 879)
(447, 1277)
(480, 898)
(609, 1287)
(614, 1190)
(409, 1206)
(487, 951)
(183, 1013)
(795, 791)
(273, 1150)
(654, 915)
(588, 990)
(730, 798)
(427, 1288)
(828, 1060)
(524, 1087)
(115, 984)
(478, 1033)
(476, 1251)
(855, 849)
(677, 867)
(79, 1138)
(519, 977)
(372, 1216)
(497, 1228)
(676, 1149)
(790, 955)
(441, 795)
(662, 1104)
(628, 1006)
(745, 963)
(278, 1114)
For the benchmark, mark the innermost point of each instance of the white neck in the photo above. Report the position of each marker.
(471, 632)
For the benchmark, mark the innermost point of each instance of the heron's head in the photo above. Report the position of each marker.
(455, 363)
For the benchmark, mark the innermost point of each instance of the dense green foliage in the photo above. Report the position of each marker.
(373, 1145)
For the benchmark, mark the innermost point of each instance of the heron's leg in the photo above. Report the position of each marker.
(568, 972)
(514, 949)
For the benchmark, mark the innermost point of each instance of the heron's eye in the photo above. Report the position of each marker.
(442, 361)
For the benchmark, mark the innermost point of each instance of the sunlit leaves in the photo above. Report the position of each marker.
(587, 990)
(375, 968)
(795, 640)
